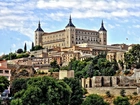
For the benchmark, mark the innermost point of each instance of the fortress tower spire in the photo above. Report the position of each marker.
(39, 27)
(102, 27)
(70, 24)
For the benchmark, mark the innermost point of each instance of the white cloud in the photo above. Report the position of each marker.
(136, 26)
(91, 8)
(21, 15)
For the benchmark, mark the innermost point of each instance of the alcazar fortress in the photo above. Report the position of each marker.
(72, 42)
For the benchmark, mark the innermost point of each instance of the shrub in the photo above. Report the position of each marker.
(135, 93)
(108, 94)
(122, 92)
(121, 101)
(138, 103)
(126, 72)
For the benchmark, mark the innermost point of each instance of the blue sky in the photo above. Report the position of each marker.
(19, 19)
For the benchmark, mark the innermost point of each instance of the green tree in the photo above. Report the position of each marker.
(37, 47)
(44, 91)
(54, 64)
(25, 47)
(17, 101)
(131, 57)
(18, 84)
(138, 103)
(94, 99)
(77, 91)
(121, 101)
(108, 93)
(122, 92)
(19, 51)
(4, 83)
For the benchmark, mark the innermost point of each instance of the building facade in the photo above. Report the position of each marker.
(70, 36)
(4, 71)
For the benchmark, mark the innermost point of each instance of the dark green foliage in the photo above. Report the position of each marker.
(11, 56)
(131, 58)
(25, 47)
(121, 101)
(77, 91)
(96, 66)
(4, 83)
(22, 55)
(121, 64)
(122, 92)
(17, 101)
(32, 46)
(18, 84)
(138, 103)
(55, 66)
(108, 93)
(44, 91)
(19, 51)
(135, 93)
(84, 91)
(64, 68)
(126, 72)
(94, 99)
(37, 47)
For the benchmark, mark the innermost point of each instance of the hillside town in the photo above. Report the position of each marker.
(53, 53)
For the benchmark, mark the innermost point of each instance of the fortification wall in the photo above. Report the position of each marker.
(113, 91)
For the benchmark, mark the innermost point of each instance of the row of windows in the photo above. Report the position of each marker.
(54, 36)
(4, 71)
(57, 45)
(91, 39)
(90, 33)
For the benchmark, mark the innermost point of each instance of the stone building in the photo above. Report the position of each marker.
(113, 83)
(70, 36)
(4, 70)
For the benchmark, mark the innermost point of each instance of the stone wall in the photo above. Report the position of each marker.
(113, 91)
(66, 73)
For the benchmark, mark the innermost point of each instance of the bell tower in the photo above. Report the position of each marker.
(102, 35)
(38, 35)
(70, 34)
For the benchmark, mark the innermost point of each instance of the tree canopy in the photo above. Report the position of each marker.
(94, 99)
(96, 66)
(4, 83)
(77, 91)
(37, 47)
(44, 91)
(121, 101)
(132, 57)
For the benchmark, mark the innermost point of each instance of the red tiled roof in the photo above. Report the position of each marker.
(2, 61)
(4, 68)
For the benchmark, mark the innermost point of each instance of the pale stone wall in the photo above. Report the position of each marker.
(54, 39)
(66, 73)
(113, 91)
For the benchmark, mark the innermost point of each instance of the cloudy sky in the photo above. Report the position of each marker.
(19, 19)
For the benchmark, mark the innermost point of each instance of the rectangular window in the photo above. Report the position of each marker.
(7, 71)
(1, 71)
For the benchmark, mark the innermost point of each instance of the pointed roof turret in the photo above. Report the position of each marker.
(70, 24)
(39, 27)
(102, 27)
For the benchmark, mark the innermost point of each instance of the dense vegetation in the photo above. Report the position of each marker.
(47, 91)
(90, 67)
(4, 83)
(132, 57)
(94, 99)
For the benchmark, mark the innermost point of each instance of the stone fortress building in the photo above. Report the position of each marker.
(70, 36)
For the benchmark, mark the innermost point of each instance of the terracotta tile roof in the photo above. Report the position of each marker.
(4, 68)
(2, 61)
